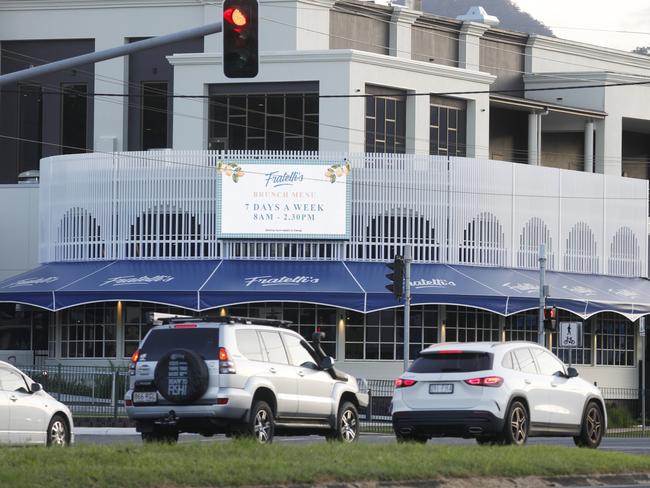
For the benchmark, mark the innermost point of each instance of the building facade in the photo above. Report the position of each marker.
(433, 115)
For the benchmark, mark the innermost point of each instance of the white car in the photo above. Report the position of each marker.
(498, 393)
(28, 415)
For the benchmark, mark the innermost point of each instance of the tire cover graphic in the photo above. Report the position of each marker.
(181, 376)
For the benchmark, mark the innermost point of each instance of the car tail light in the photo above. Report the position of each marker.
(492, 381)
(450, 351)
(134, 359)
(404, 383)
(185, 326)
(128, 403)
(226, 365)
(222, 401)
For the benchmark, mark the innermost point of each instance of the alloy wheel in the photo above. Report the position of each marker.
(262, 427)
(594, 424)
(518, 425)
(348, 426)
(58, 433)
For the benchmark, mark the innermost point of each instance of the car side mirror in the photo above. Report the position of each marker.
(327, 362)
(36, 387)
(571, 372)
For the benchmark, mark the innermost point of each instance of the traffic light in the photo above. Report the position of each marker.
(550, 318)
(396, 277)
(240, 38)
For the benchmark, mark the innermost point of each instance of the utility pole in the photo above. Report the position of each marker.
(542, 293)
(407, 303)
(642, 337)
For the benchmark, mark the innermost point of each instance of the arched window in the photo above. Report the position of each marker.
(165, 232)
(581, 250)
(483, 241)
(79, 237)
(386, 236)
(624, 254)
(533, 234)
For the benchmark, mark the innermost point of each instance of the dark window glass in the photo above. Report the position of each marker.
(203, 341)
(452, 362)
(385, 121)
(249, 345)
(73, 118)
(274, 348)
(300, 356)
(30, 126)
(154, 115)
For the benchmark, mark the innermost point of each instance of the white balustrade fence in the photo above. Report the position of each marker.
(163, 205)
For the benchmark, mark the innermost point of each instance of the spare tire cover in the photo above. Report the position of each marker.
(181, 376)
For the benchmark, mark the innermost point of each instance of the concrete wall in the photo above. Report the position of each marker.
(352, 31)
(508, 135)
(502, 55)
(565, 150)
(19, 236)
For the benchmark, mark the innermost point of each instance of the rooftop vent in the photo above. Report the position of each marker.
(478, 14)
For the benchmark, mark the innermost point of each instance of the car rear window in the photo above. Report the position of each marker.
(457, 362)
(203, 341)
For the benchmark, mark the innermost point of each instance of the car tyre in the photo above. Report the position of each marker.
(591, 432)
(161, 436)
(347, 425)
(58, 433)
(261, 426)
(515, 430)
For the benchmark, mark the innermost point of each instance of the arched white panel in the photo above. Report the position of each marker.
(624, 254)
(483, 242)
(532, 235)
(79, 237)
(581, 251)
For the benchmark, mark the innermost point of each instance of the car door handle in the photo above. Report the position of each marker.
(13, 398)
(301, 373)
(554, 385)
(528, 382)
(272, 370)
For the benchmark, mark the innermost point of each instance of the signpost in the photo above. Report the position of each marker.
(570, 336)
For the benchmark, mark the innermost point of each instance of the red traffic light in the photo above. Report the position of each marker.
(235, 16)
(550, 313)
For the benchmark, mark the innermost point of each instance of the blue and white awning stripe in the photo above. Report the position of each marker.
(202, 285)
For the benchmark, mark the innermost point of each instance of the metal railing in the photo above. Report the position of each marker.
(97, 394)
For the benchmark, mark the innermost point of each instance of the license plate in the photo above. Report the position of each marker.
(441, 388)
(145, 397)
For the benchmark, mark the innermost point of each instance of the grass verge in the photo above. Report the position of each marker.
(244, 463)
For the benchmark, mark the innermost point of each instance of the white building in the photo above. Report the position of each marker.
(341, 78)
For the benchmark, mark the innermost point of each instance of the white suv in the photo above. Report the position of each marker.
(496, 392)
(240, 377)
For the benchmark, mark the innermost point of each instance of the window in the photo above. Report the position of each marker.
(466, 324)
(89, 331)
(11, 381)
(523, 326)
(385, 120)
(306, 319)
(274, 347)
(74, 118)
(154, 108)
(297, 352)
(264, 116)
(380, 335)
(506, 362)
(137, 322)
(249, 345)
(525, 360)
(202, 340)
(548, 365)
(464, 362)
(30, 126)
(23, 328)
(615, 344)
(447, 127)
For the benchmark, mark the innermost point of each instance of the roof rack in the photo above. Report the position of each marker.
(229, 319)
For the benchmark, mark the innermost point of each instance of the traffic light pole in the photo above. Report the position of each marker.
(114, 52)
(407, 303)
(542, 293)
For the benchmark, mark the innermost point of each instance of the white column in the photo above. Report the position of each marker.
(400, 31)
(609, 146)
(341, 120)
(110, 113)
(532, 138)
(589, 146)
(478, 127)
(190, 115)
(417, 124)
(469, 45)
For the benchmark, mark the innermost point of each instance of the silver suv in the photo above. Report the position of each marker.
(241, 377)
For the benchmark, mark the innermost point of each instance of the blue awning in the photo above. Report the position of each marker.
(200, 285)
(321, 282)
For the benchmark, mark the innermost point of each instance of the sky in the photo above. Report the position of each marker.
(570, 19)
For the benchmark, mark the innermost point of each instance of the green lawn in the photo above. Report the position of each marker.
(244, 463)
